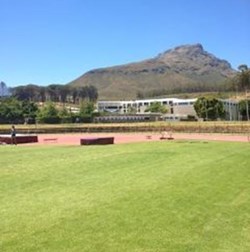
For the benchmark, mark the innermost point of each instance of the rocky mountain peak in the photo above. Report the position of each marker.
(193, 56)
(185, 50)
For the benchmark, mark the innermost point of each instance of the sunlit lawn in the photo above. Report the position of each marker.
(154, 196)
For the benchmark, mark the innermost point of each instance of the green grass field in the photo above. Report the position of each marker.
(153, 196)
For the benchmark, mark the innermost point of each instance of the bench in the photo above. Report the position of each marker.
(97, 141)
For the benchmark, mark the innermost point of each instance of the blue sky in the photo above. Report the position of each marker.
(56, 41)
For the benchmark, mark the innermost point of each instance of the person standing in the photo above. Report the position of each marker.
(13, 135)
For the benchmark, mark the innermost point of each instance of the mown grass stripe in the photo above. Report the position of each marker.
(154, 196)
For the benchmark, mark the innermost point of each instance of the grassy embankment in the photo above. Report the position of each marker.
(157, 196)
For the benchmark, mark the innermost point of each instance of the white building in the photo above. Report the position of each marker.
(177, 108)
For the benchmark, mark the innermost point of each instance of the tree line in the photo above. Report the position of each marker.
(32, 103)
(55, 93)
(4, 90)
(14, 111)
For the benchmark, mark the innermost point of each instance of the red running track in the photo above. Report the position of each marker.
(74, 139)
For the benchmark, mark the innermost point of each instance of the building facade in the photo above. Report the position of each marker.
(177, 109)
(232, 111)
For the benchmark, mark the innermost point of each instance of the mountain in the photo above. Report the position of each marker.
(186, 68)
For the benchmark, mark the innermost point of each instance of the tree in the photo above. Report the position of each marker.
(29, 92)
(52, 92)
(4, 90)
(243, 83)
(48, 114)
(244, 107)
(42, 94)
(80, 94)
(86, 111)
(20, 93)
(29, 111)
(209, 108)
(243, 77)
(10, 111)
(156, 107)
(86, 108)
(64, 93)
(65, 115)
(92, 93)
(74, 93)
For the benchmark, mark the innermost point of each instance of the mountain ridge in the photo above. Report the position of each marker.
(183, 68)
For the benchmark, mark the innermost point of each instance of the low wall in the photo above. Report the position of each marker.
(20, 139)
(97, 141)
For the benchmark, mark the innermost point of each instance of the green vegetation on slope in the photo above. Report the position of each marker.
(178, 196)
